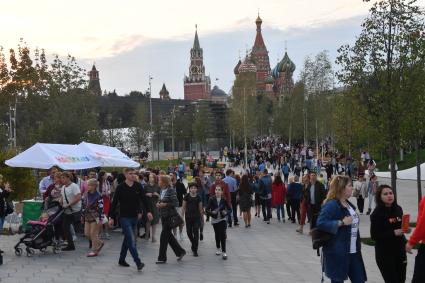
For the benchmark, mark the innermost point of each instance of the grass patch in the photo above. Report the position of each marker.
(408, 162)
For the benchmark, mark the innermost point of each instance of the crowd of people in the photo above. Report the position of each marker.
(279, 180)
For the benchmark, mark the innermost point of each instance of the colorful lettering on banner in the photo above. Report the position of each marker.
(72, 159)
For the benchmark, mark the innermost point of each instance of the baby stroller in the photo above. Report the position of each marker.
(41, 235)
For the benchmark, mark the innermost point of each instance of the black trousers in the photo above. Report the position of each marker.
(220, 235)
(392, 265)
(289, 210)
(266, 207)
(313, 214)
(192, 229)
(360, 203)
(166, 238)
(295, 207)
(234, 207)
(419, 271)
(67, 221)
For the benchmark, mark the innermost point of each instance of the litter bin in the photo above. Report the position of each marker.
(31, 211)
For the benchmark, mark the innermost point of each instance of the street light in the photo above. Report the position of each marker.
(172, 130)
(150, 99)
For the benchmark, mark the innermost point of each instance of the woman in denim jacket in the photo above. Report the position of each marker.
(342, 257)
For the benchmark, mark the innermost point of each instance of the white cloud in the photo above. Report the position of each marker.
(102, 28)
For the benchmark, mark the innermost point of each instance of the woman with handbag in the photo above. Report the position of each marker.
(93, 217)
(342, 257)
(170, 219)
(71, 203)
(218, 209)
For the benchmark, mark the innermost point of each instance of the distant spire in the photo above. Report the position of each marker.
(196, 44)
(286, 46)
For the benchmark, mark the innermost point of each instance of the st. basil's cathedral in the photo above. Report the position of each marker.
(276, 83)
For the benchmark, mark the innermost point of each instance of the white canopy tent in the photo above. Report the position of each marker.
(45, 156)
(407, 174)
(107, 156)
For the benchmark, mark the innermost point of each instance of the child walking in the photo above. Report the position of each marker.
(218, 209)
(93, 216)
(192, 212)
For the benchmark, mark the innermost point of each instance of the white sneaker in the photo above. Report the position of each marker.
(74, 238)
(181, 236)
(224, 256)
(218, 252)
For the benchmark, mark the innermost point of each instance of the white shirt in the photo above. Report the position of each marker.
(312, 200)
(354, 229)
(71, 192)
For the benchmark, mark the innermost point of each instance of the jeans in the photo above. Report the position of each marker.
(279, 210)
(355, 270)
(2, 222)
(234, 207)
(266, 207)
(128, 225)
(220, 235)
(168, 238)
(192, 230)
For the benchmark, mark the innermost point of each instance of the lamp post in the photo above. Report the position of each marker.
(172, 130)
(150, 99)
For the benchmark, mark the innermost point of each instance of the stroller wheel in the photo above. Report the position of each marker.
(18, 251)
(56, 249)
(30, 252)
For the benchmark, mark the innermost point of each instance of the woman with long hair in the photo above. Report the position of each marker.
(385, 230)
(245, 200)
(305, 184)
(278, 197)
(152, 192)
(342, 256)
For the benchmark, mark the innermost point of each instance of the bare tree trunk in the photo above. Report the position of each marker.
(418, 170)
(392, 154)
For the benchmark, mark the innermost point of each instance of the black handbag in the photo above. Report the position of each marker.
(320, 238)
(175, 221)
(8, 207)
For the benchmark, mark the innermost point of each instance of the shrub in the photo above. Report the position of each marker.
(22, 180)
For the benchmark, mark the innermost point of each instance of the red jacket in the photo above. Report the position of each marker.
(419, 232)
(225, 188)
(278, 194)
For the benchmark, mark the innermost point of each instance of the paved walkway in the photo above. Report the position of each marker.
(263, 253)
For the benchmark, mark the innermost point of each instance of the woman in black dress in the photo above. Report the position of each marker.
(385, 230)
(245, 199)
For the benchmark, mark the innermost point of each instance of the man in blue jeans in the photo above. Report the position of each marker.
(132, 200)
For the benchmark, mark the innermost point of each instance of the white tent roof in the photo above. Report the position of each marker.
(407, 174)
(45, 156)
(108, 156)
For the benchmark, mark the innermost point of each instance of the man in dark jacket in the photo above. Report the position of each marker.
(132, 200)
(315, 196)
(266, 195)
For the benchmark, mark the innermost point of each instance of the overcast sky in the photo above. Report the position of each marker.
(129, 40)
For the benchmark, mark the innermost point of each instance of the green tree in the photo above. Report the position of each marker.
(139, 132)
(375, 67)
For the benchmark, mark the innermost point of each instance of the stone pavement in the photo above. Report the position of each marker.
(263, 253)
